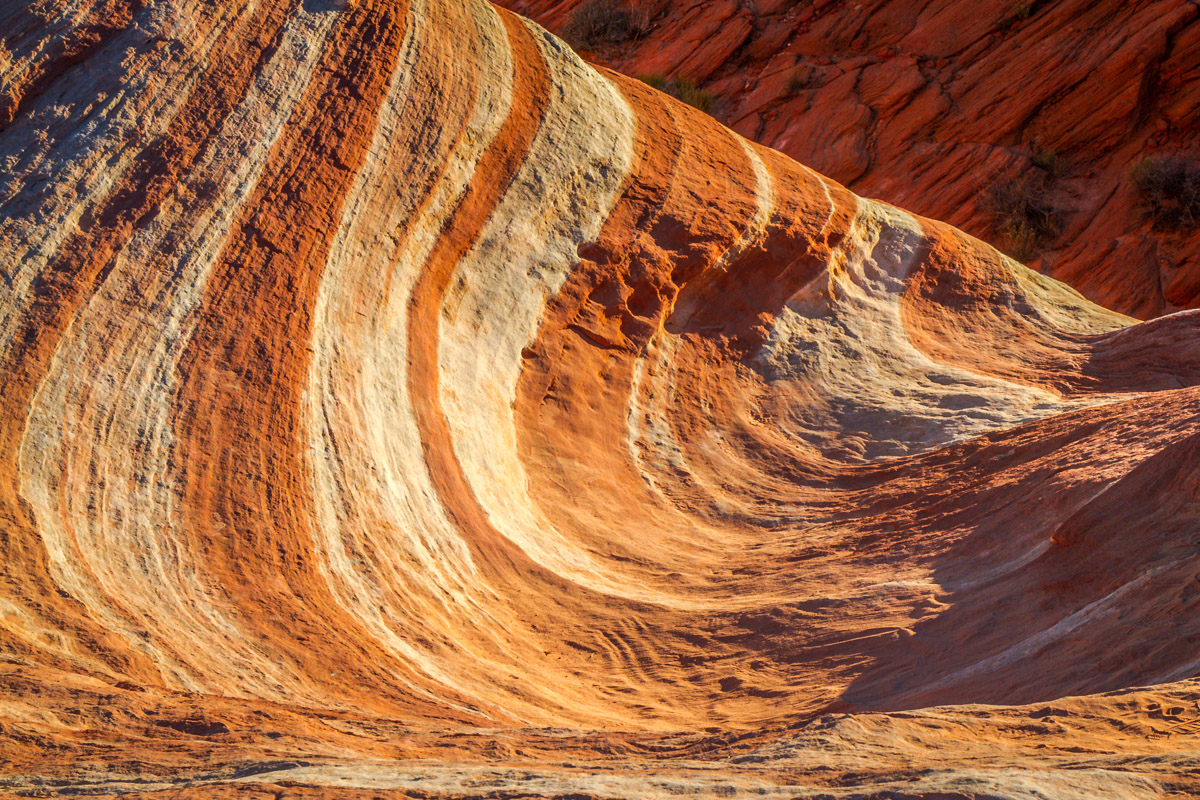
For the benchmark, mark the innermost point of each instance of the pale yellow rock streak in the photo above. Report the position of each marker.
(558, 200)
(885, 397)
(390, 556)
(95, 457)
(81, 170)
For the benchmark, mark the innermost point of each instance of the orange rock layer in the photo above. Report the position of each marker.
(394, 403)
(931, 105)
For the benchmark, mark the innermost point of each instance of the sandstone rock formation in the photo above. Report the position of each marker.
(394, 403)
(931, 105)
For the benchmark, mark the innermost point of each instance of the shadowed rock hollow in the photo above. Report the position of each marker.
(395, 403)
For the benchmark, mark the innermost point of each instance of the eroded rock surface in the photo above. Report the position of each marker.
(931, 105)
(393, 403)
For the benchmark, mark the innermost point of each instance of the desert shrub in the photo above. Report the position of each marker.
(1168, 191)
(681, 89)
(1019, 11)
(1022, 214)
(1049, 162)
(656, 82)
(693, 95)
(1021, 241)
(803, 77)
(601, 22)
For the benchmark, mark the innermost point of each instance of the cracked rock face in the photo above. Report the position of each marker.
(395, 404)
(931, 106)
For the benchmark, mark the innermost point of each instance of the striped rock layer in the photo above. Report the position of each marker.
(932, 105)
(375, 364)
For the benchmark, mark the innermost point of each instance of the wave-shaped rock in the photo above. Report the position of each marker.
(934, 107)
(383, 382)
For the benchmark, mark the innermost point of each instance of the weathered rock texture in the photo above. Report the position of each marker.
(394, 403)
(931, 105)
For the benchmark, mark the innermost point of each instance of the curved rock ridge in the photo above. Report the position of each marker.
(383, 364)
(933, 105)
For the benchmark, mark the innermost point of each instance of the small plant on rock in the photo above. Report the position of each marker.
(602, 22)
(1019, 11)
(1049, 162)
(1168, 191)
(1022, 214)
(681, 89)
(802, 77)
(655, 81)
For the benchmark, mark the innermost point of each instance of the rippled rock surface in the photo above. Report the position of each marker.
(394, 404)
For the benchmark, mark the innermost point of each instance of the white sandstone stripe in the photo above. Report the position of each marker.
(95, 457)
(1063, 307)
(81, 168)
(1113, 604)
(390, 556)
(883, 396)
(558, 200)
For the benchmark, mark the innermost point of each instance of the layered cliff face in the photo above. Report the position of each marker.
(932, 106)
(393, 402)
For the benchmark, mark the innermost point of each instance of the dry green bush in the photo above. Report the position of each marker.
(1022, 214)
(1168, 191)
(803, 77)
(681, 89)
(1019, 11)
(1050, 162)
(597, 23)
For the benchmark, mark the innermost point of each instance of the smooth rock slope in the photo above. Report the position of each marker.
(395, 403)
